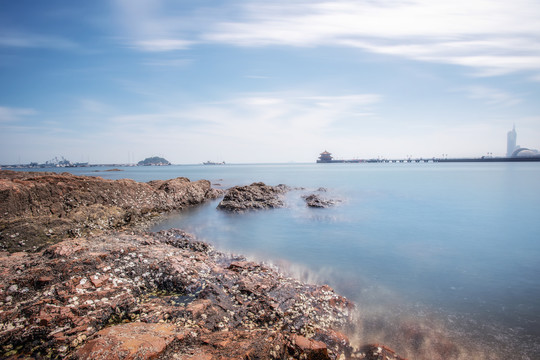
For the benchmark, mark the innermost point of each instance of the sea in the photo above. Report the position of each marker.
(442, 259)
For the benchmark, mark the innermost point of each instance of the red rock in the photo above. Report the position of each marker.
(310, 349)
(243, 265)
(147, 277)
(98, 281)
(198, 307)
(199, 355)
(129, 341)
(60, 250)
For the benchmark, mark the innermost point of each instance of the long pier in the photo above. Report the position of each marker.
(435, 160)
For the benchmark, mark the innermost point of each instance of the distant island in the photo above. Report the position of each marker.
(154, 161)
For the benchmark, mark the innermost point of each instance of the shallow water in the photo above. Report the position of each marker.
(455, 246)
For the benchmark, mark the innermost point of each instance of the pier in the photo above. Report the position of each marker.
(326, 158)
(435, 160)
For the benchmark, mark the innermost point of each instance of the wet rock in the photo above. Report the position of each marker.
(253, 197)
(139, 295)
(101, 296)
(379, 352)
(315, 201)
(309, 348)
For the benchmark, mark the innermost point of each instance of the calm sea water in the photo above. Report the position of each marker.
(458, 243)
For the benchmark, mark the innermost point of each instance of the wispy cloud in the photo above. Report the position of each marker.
(150, 26)
(158, 45)
(11, 114)
(536, 78)
(491, 96)
(259, 111)
(494, 37)
(251, 121)
(168, 62)
(27, 40)
(88, 105)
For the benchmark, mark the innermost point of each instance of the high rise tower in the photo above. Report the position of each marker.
(511, 141)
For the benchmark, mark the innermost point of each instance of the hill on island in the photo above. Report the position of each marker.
(154, 161)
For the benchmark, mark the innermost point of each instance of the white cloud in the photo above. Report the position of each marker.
(150, 26)
(248, 127)
(261, 111)
(493, 37)
(10, 114)
(491, 96)
(158, 45)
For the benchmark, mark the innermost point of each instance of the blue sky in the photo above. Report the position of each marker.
(258, 81)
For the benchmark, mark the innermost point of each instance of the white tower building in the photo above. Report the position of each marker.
(511, 141)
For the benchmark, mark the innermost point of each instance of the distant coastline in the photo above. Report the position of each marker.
(319, 161)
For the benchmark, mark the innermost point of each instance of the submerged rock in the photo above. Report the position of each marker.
(314, 200)
(253, 197)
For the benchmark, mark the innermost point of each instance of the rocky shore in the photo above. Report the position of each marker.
(78, 281)
(38, 208)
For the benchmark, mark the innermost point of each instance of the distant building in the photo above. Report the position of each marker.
(516, 151)
(325, 157)
(511, 142)
(524, 152)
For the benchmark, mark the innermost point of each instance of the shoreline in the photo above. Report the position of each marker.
(179, 294)
(83, 257)
(84, 294)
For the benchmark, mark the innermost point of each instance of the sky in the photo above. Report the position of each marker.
(266, 81)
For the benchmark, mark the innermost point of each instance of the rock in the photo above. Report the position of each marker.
(379, 352)
(161, 295)
(67, 205)
(311, 349)
(253, 197)
(314, 200)
(130, 341)
(139, 295)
